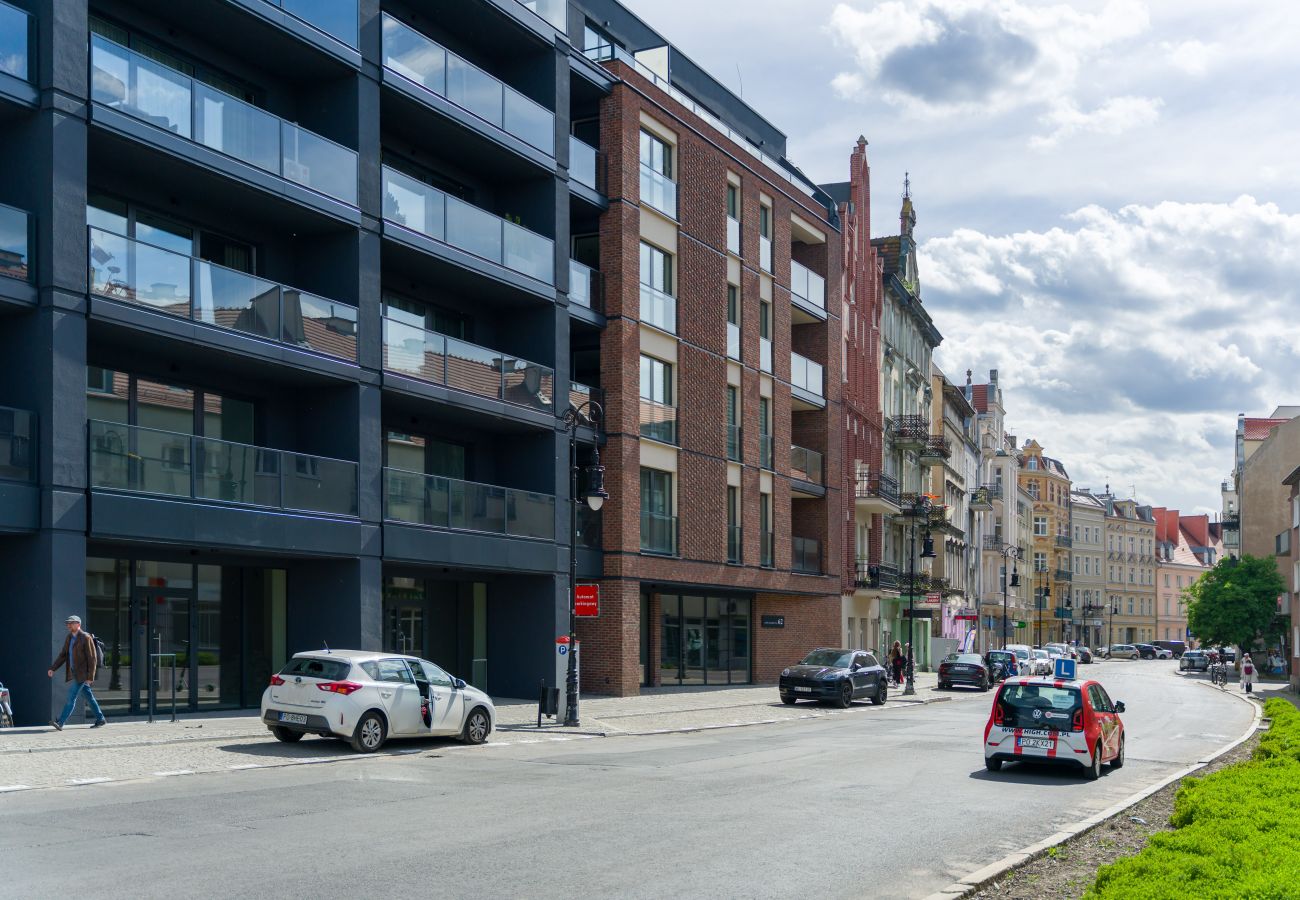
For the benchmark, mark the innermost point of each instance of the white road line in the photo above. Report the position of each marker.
(81, 781)
(173, 774)
(245, 766)
(8, 788)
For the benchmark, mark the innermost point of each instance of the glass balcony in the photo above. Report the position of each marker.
(765, 451)
(190, 288)
(807, 285)
(15, 38)
(417, 499)
(586, 287)
(581, 393)
(805, 464)
(806, 374)
(658, 309)
(806, 555)
(733, 235)
(429, 356)
(658, 190)
(765, 253)
(658, 533)
(15, 239)
(135, 85)
(17, 445)
(337, 18)
(171, 464)
(584, 163)
(733, 436)
(658, 421)
(589, 528)
(733, 340)
(556, 12)
(735, 544)
(422, 208)
(765, 355)
(439, 71)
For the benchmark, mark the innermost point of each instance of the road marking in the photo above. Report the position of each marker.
(8, 788)
(243, 766)
(80, 781)
(173, 774)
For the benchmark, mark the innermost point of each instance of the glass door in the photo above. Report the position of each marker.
(670, 640)
(164, 598)
(693, 637)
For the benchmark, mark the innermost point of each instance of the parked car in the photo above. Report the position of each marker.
(367, 697)
(1228, 654)
(1194, 661)
(1122, 651)
(1025, 656)
(1177, 648)
(1065, 650)
(1162, 652)
(837, 675)
(1002, 664)
(1146, 651)
(6, 708)
(1085, 655)
(1042, 663)
(1042, 720)
(964, 668)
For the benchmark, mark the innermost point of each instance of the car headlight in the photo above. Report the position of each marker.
(785, 673)
(831, 676)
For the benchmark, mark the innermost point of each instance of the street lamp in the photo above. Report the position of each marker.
(920, 507)
(1044, 594)
(588, 413)
(1012, 552)
(1114, 609)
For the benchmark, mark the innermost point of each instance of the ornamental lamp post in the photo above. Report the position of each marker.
(588, 413)
(927, 552)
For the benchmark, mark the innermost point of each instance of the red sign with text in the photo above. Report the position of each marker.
(586, 601)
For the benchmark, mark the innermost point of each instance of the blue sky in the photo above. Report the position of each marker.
(1108, 198)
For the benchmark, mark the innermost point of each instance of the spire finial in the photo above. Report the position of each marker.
(907, 185)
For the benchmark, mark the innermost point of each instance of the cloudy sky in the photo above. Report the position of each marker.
(1107, 191)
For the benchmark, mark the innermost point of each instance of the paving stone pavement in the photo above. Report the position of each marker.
(33, 758)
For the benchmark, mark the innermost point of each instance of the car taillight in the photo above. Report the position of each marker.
(1077, 723)
(338, 687)
(998, 717)
(276, 681)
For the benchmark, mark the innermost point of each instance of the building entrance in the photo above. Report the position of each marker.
(704, 640)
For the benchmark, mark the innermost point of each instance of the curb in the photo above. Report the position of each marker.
(980, 877)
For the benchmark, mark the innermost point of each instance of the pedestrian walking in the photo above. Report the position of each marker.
(1247, 673)
(79, 655)
(896, 662)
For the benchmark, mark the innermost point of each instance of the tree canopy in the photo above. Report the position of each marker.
(1234, 602)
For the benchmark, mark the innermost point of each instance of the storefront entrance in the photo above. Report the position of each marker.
(439, 620)
(703, 640)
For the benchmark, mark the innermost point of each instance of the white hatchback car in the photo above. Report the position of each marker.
(367, 697)
(1042, 662)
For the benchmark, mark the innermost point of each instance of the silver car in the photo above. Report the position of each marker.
(1123, 651)
(1194, 661)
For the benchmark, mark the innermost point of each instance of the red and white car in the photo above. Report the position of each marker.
(1045, 720)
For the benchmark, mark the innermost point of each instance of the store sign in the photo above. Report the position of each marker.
(586, 601)
(773, 621)
(930, 601)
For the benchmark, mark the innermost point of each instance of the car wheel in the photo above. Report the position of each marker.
(1118, 761)
(882, 694)
(788, 701)
(477, 727)
(986, 685)
(1094, 768)
(846, 694)
(370, 734)
(993, 765)
(943, 685)
(287, 735)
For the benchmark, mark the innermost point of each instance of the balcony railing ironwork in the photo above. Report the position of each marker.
(191, 288)
(658, 533)
(876, 575)
(141, 87)
(424, 209)
(17, 445)
(981, 500)
(1063, 575)
(436, 358)
(658, 191)
(586, 286)
(937, 447)
(806, 555)
(16, 238)
(1064, 541)
(908, 431)
(805, 464)
(877, 484)
(172, 464)
(415, 498)
(658, 421)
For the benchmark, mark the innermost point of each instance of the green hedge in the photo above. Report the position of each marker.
(1237, 831)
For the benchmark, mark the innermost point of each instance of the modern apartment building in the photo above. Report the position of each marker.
(1051, 572)
(294, 297)
(1130, 570)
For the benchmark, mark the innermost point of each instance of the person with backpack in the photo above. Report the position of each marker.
(1247, 673)
(81, 654)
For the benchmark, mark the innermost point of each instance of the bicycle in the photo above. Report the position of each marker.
(1219, 675)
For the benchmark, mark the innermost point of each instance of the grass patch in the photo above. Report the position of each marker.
(1236, 832)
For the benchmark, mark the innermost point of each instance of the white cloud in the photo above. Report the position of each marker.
(1191, 57)
(1127, 340)
(1116, 116)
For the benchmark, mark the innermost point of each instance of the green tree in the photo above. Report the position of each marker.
(1234, 602)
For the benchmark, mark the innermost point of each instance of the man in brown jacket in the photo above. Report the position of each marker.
(79, 655)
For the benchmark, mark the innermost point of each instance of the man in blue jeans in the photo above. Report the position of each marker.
(79, 654)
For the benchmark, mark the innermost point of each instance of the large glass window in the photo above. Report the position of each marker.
(704, 640)
(658, 525)
(656, 154)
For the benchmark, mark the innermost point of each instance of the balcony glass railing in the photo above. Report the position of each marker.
(806, 374)
(15, 242)
(417, 499)
(735, 543)
(137, 86)
(765, 451)
(807, 285)
(733, 437)
(439, 71)
(658, 533)
(658, 421)
(429, 356)
(581, 393)
(765, 253)
(805, 464)
(15, 38)
(768, 550)
(658, 309)
(658, 190)
(806, 555)
(167, 463)
(555, 12)
(589, 528)
(423, 208)
(585, 286)
(337, 18)
(190, 288)
(765, 355)
(733, 340)
(733, 235)
(584, 163)
(17, 445)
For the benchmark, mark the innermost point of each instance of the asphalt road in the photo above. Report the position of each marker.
(890, 802)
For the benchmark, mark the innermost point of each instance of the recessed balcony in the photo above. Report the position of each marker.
(807, 294)
(586, 287)
(806, 555)
(586, 165)
(432, 501)
(807, 383)
(806, 471)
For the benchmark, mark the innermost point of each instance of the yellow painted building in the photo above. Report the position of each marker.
(1049, 572)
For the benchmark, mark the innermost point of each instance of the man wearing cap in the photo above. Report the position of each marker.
(78, 654)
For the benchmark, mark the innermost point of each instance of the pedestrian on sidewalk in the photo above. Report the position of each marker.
(78, 654)
(896, 662)
(1247, 673)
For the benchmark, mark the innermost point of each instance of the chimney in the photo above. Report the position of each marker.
(993, 376)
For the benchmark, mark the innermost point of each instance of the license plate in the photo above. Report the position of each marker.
(803, 690)
(1034, 743)
(295, 718)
